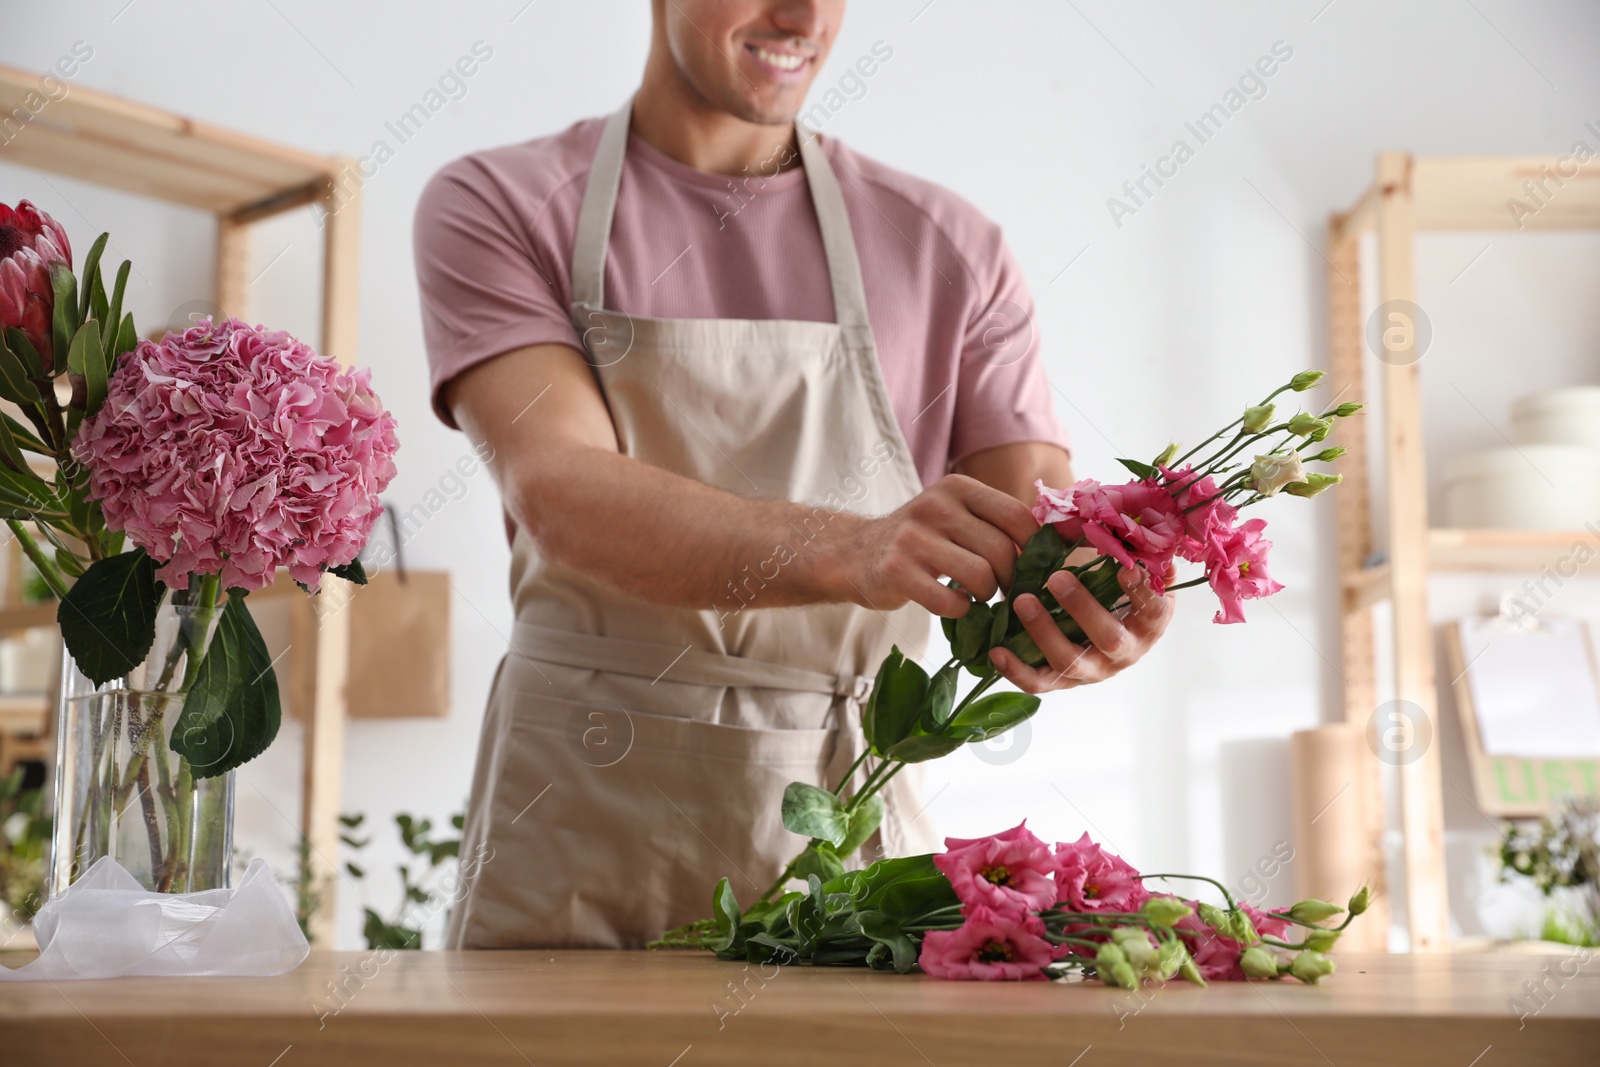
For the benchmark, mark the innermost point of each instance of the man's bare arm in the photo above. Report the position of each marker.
(671, 540)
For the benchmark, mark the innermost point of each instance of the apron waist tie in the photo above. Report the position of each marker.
(693, 666)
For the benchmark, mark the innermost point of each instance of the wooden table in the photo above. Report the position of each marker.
(689, 1010)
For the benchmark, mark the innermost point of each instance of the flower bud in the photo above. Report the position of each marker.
(1312, 910)
(1167, 454)
(1314, 484)
(1166, 911)
(1328, 455)
(1257, 418)
(1309, 967)
(1257, 962)
(1359, 902)
(1215, 918)
(1241, 929)
(1306, 424)
(1173, 955)
(1273, 471)
(1190, 971)
(1320, 940)
(1305, 380)
(1143, 957)
(1348, 408)
(1111, 964)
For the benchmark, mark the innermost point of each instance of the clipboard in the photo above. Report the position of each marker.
(1529, 698)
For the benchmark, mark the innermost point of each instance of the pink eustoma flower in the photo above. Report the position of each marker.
(1137, 523)
(1236, 566)
(1216, 956)
(1088, 878)
(1009, 872)
(988, 947)
(1205, 513)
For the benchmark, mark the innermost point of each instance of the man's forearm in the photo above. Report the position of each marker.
(671, 540)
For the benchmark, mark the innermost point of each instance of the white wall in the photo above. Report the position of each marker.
(1037, 112)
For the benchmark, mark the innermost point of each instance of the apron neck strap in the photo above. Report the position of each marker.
(600, 202)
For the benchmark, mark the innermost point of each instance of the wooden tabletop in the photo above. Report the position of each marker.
(682, 1009)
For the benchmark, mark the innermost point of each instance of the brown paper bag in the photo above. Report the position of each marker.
(400, 646)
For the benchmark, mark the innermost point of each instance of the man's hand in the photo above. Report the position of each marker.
(957, 527)
(1114, 642)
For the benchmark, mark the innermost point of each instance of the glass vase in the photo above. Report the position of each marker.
(121, 791)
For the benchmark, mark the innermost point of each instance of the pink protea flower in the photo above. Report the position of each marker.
(1236, 565)
(30, 241)
(988, 947)
(1088, 878)
(1216, 956)
(235, 450)
(1008, 873)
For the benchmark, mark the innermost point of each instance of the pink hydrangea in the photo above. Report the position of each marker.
(1216, 956)
(234, 450)
(1236, 565)
(1008, 873)
(1088, 878)
(989, 946)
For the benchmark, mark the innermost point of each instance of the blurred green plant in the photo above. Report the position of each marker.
(1561, 851)
(403, 930)
(24, 838)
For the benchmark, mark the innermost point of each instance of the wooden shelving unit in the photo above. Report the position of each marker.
(240, 179)
(1408, 197)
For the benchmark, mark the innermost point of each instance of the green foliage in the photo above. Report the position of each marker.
(108, 619)
(403, 930)
(231, 712)
(24, 843)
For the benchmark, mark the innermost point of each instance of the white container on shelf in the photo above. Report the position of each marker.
(1568, 416)
(1528, 487)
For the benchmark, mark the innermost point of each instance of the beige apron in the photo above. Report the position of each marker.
(633, 754)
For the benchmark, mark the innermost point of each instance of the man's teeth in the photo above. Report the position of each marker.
(782, 62)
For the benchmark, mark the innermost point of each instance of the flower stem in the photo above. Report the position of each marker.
(1200, 878)
(45, 566)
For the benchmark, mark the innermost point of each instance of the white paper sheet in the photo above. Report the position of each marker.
(106, 926)
(1534, 690)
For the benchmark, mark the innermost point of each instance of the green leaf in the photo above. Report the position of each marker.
(9, 450)
(350, 572)
(91, 271)
(863, 820)
(69, 563)
(127, 338)
(971, 632)
(1043, 555)
(386, 935)
(896, 701)
(884, 929)
(906, 887)
(85, 356)
(820, 861)
(231, 713)
(113, 317)
(33, 363)
(66, 317)
(1140, 470)
(923, 747)
(25, 437)
(1025, 648)
(813, 812)
(941, 698)
(15, 383)
(992, 715)
(1001, 624)
(108, 617)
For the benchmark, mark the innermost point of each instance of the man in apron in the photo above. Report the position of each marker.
(726, 368)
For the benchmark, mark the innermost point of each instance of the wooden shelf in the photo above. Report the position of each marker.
(1464, 551)
(1409, 196)
(104, 139)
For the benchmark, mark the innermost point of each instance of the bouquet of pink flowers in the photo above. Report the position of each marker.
(1024, 915)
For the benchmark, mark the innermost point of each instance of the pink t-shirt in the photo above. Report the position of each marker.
(950, 313)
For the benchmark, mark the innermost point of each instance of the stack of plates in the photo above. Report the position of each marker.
(1548, 480)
